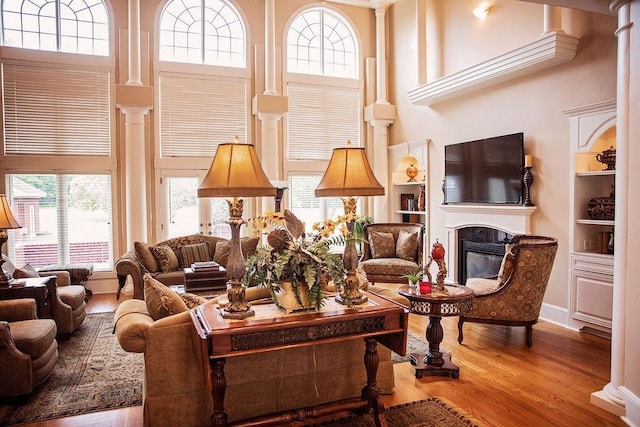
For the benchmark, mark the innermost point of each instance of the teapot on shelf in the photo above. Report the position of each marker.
(608, 157)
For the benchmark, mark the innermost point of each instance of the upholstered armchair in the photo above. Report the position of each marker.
(70, 310)
(28, 347)
(515, 297)
(391, 250)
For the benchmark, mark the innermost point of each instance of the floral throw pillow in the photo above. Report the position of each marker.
(166, 258)
(407, 245)
(382, 244)
(192, 300)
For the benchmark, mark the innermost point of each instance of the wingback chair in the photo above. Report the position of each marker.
(391, 250)
(28, 347)
(515, 297)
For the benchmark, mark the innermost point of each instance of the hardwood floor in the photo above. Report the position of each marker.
(502, 382)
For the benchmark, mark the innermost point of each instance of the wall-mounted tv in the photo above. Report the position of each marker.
(485, 171)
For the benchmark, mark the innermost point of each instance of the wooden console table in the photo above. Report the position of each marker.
(436, 305)
(377, 320)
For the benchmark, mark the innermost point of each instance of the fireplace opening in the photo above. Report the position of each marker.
(481, 250)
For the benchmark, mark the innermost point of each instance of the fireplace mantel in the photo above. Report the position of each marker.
(512, 219)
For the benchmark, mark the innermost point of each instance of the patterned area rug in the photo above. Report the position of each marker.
(93, 373)
(432, 412)
(415, 344)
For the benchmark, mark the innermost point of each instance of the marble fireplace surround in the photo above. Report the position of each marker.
(512, 219)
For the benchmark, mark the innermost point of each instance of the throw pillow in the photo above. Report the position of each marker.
(166, 258)
(407, 245)
(508, 263)
(222, 253)
(162, 301)
(247, 245)
(148, 261)
(195, 253)
(192, 300)
(382, 244)
(25, 272)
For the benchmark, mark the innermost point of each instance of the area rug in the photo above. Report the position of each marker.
(415, 344)
(92, 374)
(432, 412)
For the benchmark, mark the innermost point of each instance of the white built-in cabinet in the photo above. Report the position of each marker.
(592, 131)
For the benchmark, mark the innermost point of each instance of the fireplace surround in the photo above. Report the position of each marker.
(508, 219)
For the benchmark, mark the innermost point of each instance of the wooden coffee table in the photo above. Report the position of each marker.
(195, 281)
(377, 320)
(456, 300)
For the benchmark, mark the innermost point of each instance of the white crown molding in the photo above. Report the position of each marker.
(548, 51)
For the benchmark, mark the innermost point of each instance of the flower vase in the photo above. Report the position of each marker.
(287, 299)
(413, 287)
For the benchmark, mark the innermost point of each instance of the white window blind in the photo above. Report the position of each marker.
(52, 111)
(320, 119)
(65, 219)
(197, 114)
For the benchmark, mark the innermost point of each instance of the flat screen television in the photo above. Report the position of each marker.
(485, 171)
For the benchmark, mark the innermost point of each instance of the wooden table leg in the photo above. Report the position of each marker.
(218, 389)
(371, 392)
(434, 362)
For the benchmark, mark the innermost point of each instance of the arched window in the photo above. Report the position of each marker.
(325, 105)
(320, 41)
(73, 26)
(202, 32)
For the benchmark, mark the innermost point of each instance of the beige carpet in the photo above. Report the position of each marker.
(432, 412)
(415, 344)
(93, 373)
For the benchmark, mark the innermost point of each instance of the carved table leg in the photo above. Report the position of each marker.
(434, 362)
(371, 392)
(218, 389)
(435, 334)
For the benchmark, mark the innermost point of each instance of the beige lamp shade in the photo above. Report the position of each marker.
(7, 220)
(349, 174)
(236, 172)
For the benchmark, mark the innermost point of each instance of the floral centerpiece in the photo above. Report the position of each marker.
(292, 263)
(303, 265)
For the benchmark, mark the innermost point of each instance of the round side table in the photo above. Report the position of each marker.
(456, 300)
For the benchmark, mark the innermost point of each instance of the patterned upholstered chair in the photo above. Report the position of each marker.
(515, 297)
(391, 250)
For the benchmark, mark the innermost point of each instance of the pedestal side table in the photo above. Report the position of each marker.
(455, 300)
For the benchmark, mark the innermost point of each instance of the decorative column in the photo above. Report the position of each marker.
(380, 115)
(269, 107)
(135, 101)
(552, 20)
(610, 397)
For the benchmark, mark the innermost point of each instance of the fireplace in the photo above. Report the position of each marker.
(487, 227)
(481, 250)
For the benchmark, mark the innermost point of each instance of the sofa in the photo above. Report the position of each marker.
(176, 371)
(166, 260)
(391, 250)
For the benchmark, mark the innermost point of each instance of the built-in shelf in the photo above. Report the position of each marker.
(412, 212)
(596, 222)
(596, 173)
(549, 50)
(408, 183)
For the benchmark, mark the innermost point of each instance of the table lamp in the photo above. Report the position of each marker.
(236, 172)
(7, 221)
(348, 175)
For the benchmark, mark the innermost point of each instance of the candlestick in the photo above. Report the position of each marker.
(527, 179)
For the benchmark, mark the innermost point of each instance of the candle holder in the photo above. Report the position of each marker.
(527, 179)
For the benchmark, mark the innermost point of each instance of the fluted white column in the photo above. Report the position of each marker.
(269, 107)
(135, 173)
(381, 55)
(134, 43)
(610, 397)
(552, 19)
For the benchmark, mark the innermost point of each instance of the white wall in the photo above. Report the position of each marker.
(531, 104)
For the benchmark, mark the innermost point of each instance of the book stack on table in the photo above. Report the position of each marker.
(205, 276)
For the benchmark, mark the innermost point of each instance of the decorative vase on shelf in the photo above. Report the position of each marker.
(602, 208)
(608, 158)
(412, 172)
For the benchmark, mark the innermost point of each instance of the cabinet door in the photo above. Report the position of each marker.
(592, 299)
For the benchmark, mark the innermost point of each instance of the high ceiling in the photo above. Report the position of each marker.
(598, 6)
